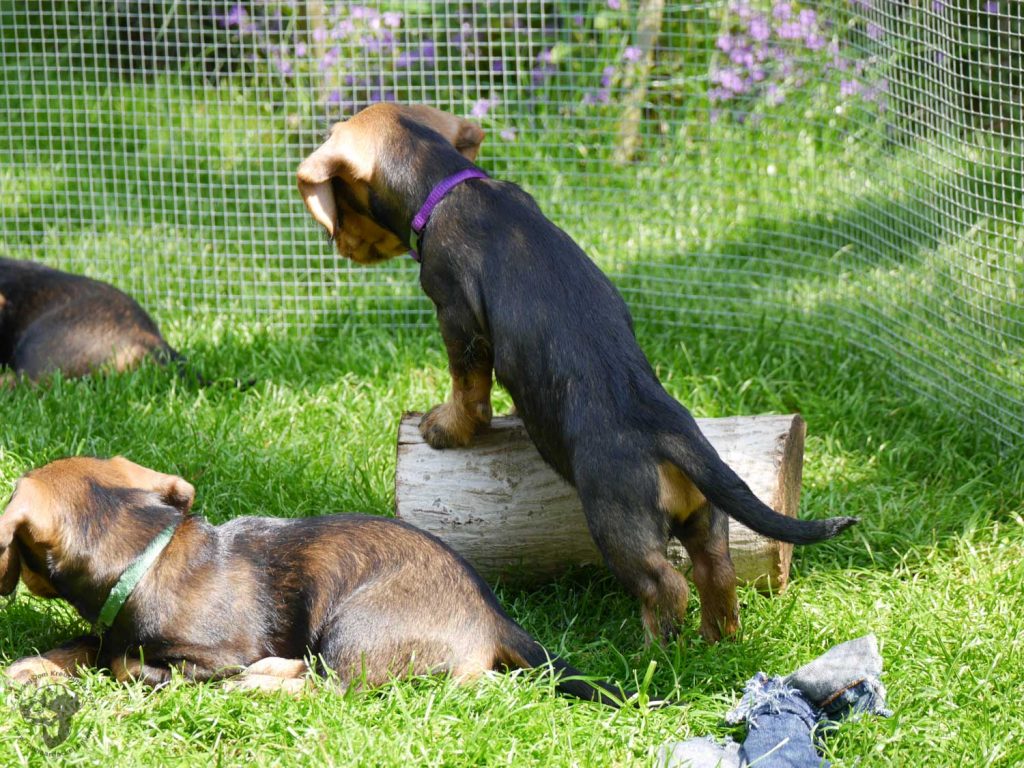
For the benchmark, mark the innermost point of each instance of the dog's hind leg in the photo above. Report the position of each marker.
(705, 535)
(632, 535)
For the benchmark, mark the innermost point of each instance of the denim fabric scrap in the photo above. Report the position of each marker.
(845, 680)
(780, 725)
(784, 715)
(703, 752)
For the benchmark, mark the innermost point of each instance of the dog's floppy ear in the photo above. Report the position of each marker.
(10, 560)
(469, 138)
(462, 134)
(176, 491)
(343, 157)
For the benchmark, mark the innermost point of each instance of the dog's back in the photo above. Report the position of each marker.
(52, 320)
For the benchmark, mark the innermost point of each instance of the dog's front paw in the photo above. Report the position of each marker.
(34, 670)
(271, 674)
(447, 426)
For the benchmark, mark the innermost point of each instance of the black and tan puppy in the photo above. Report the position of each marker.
(54, 321)
(369, 597)
(514, 294)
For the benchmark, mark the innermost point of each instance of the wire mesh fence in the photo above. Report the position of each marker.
(835, 170)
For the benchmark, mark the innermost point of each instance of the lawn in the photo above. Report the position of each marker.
(809, 262)
(935, 567)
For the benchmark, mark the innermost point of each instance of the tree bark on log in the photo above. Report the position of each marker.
(505, 510)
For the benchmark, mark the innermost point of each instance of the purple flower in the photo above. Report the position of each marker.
(742, 56)
(508, 134)
(392, 19)
(875, 32)
(940, 57)
(362, 12)
(615, 5)
(330, 59)
(379, 94)
(344, 28)
(283, 66)
(731, 81)
(725, 42)
(938, 6)
(759, 29)
(992, 6)
(482, 107)
(539, 74)
(719, 94)
(632, 53)
(235, 17)
(789, 30)
(497, 66)
(578, 20)
(300, 50)
(782, 11)
(319, 34)
(375, 44)
(814, 42)
(606, 76)
(334, 97)
(849, 87)
(425, 52)
(862, 4)
(808, 19)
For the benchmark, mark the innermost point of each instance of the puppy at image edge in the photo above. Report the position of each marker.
(372, 598)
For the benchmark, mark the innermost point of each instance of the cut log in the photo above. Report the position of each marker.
(505, 510)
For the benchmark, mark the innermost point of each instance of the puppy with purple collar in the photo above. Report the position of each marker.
(517, 298)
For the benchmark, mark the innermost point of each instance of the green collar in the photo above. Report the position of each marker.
(130, 578)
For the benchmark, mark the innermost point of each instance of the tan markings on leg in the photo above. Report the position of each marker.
(706, 539)
(472, 666)
(453, 423)
(677, 495)
(127, 357)
(126, 669)
(271, 674)
(8, 380)
(35, 669)
(60, 662)
(266, 684)
(275, 666)
(716, 583)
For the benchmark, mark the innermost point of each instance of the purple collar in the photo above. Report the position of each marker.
(436, 195)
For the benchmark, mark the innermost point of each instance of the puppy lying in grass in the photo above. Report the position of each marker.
(371, 598)
(54, 321)
(516, 296)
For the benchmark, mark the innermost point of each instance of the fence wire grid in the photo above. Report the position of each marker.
(835, 171)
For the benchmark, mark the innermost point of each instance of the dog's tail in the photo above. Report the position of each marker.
(520, 651)
(688, 449)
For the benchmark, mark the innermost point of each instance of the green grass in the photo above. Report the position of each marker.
(830, 262)
(935, 567)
